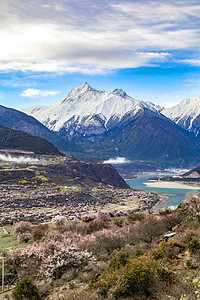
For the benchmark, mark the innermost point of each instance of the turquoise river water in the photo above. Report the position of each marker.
(173, 196)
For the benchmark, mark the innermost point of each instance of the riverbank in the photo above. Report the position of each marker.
(169, 185)
(170, 193)
(166, 200)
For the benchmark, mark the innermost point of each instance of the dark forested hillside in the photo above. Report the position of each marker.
(14, 139)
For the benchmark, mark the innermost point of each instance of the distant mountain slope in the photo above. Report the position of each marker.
(14, 139)
(148, 137)
(114, 124)
(18, 120)
(79, 172)
(186, 114)
(194, 173)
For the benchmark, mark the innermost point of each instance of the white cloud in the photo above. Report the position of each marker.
(94, 37)
(194, 62)
(152, 12)
(30, 93)
(117, 161)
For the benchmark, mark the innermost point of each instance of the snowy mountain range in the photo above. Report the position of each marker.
(114, 124)
(186, 114)
(85, 106)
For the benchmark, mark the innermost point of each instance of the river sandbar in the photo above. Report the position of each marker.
(170, 185)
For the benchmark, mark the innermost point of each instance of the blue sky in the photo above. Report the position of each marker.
(148, 48)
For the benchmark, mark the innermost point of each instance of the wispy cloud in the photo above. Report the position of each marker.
(29, 93)
(193, 61)
(95, 37)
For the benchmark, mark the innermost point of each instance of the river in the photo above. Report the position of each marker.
(170, 196)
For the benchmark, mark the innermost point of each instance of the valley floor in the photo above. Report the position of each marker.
(40, 203)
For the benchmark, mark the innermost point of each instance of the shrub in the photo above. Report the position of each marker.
(110, 275)
(168, 249)
(89, 217)
(23, 181)
(194, 245)
(98, 224)
(120, 259)
(166, 211)
(21, 227)
(166, 275)
(83, 295)
(70, 226)
(136, 217)
(25, 289)
(172, 220)
(138, 252)
(106, 241)
(150, 229)
(190, 235)
(39, 231)
(191, 265)
(42, 178)
(118, 221)
(190, 209)
(59, 221)
(24, 237)
(44, 289)
(137, 279)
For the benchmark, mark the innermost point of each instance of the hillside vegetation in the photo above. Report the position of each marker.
(112, 258)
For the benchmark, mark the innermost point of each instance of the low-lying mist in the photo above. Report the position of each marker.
(117, 161)
(18, 159)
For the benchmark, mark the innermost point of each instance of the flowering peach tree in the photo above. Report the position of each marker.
(21, 227)
(50, 257)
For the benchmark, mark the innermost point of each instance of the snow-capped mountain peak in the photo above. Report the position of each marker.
(119, 92)
(83, 88)
(83, 103)
(187, 107)
(186, 114)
